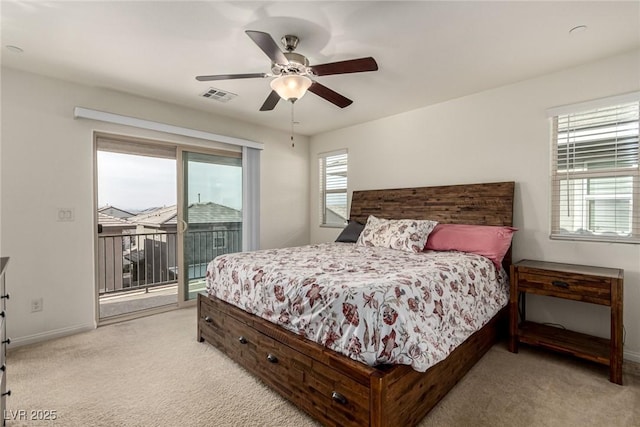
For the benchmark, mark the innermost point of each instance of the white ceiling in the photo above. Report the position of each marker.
(427, 52)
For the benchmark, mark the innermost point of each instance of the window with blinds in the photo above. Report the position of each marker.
(333, 188)
(595, 175)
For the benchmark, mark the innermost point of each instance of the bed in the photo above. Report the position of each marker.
(341, 389)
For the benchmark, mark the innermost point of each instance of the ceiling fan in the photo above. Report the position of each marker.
(294, 75)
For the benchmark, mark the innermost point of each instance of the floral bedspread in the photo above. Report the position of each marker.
(375, 305)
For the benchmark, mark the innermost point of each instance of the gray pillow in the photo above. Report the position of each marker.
(351, 232)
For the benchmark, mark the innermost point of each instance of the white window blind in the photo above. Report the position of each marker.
(333, 188)
(595, 176)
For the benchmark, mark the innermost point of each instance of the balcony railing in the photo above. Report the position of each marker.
(144, 260)
(203, 246)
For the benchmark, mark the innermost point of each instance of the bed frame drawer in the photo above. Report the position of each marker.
(210, 324)
(238, 341)
(338, 398)
(334, 399)
(331, 397)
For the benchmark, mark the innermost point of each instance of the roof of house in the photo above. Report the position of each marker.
(112, 221)
(198, 213)
(210, 213)
(155, 217)
(116, 212)
(148, 210)
(134, 255)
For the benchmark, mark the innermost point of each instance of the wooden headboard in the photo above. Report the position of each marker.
(482, 204)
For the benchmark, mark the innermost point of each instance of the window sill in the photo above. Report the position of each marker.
(597, 239)
(333, 226)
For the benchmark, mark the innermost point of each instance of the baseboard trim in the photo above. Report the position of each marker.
(631, 363)
(49, 335)
(631, 356)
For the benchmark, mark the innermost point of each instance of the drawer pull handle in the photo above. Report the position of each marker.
(242, 340)
(272, 358)
(339, 398)
(560, 284)
(208, 319)
(2, 313)
(3, 368)
(7, 393)
(7, 341)
(5, 296)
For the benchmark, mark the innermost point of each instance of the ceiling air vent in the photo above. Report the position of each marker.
(218, 95)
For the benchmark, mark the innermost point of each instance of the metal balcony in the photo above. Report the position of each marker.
(137, 270)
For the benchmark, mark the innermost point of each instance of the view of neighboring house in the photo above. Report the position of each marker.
(113, 224)
(141, 250)
(115, 212)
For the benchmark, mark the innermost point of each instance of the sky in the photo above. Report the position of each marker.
(220, 184)
(134, 183)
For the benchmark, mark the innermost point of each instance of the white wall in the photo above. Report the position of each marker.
(497, 135)
(47, 163)
(1, 253)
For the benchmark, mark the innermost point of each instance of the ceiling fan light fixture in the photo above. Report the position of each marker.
(291, 87)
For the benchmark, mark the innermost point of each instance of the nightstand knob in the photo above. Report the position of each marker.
(7, 341)
(5, 296)
(560, 284)
(339, 398)
(208, 319)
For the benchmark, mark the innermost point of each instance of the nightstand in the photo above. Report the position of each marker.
(597, 285)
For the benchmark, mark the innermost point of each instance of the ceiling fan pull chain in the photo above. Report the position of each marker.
(292, 143)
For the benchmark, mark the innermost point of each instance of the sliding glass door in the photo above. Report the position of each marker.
(211, 212)
(135, 259)
(163, 213)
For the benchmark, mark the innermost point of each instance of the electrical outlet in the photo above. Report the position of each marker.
(36, 305)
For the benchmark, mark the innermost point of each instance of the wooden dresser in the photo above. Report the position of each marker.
(4, 296)
(597, 285)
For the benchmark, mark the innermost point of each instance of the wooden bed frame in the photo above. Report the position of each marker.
(332, 388)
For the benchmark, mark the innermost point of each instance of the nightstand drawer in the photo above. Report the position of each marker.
(590, 289)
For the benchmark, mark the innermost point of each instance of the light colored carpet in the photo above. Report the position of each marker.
(153, 372)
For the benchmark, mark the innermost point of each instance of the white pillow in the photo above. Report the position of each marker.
(404, 234)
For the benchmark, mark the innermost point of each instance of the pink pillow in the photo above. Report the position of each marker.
(489, 241)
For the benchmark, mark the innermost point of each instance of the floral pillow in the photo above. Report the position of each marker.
(404, 234)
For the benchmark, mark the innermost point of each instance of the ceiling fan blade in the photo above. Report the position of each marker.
(330, 95)
(268, 46)
(271, 101)
(345, 67)
(231, 77)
